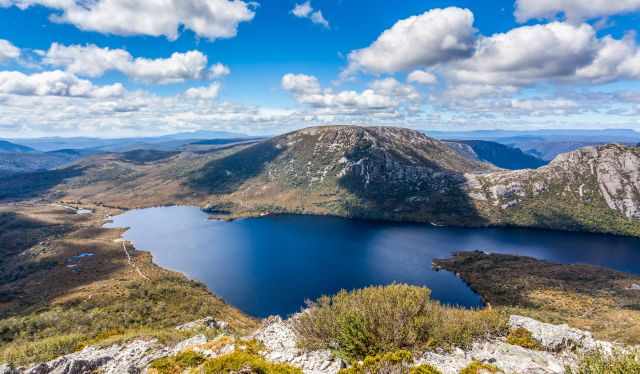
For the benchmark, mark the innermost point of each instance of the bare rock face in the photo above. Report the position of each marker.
(561, 344)
(281, 343)
(129, 358)
(558, 338)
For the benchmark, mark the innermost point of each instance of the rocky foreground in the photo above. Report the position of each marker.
(559, 347)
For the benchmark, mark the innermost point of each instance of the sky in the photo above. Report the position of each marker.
(116, 68)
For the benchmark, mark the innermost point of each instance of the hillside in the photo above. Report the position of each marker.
(8, 147)
(501, 155)
(26, 162)
(382, 173)
(591, 189)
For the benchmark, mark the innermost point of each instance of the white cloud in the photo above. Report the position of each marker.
(383, 95)
(212, 19)
(573, 10)
(554, 52)
(544, 104)
(206, 93)
(8, 51)
(434, 37)
(528, 54)
(305, 10)
(93, 61)
(422, 77)
(54, 83)
(219, 70)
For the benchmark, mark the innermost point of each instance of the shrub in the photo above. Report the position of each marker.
(397, 362)
(391, 362)
(424, 369)
(178, 363)
(240, 360)
(477, 367)
(386, 319)
(601, 363)
(523, 338)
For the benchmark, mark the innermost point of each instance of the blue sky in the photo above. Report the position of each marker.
(109, 70)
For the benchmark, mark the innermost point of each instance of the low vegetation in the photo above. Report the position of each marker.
(602, 363)
(523, 338)
(398, 362)
(477, 367)
(246, 359)
(378, 320)
(150, 309)
(587, 297)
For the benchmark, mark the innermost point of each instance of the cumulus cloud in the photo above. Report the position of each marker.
(93, 61)
(219, 70)
(54, 83)
(382, 95)
(305, 10)
(527, 54)
(573, 10)
(206, 93)
(212, 19)
(8, 51)
(422, 77)
(434, 37)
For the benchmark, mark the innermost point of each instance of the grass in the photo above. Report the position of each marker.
(136, 309)
(601, 363)
(477, 367)
(523, 338)
(176, 364)
(377, 320)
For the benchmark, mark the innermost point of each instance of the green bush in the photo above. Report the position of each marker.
(240, 360)
(386, 319)
(398, 362)
(601, 363)
(523, 338)
(477, 367)
(177, 363)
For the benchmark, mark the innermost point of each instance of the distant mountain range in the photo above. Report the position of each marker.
(165, 142)
(8, 147)
(546, 144)
(501, 155)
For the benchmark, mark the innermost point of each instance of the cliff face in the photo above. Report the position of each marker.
(591, 186)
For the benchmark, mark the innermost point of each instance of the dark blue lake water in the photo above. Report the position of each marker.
(271, 265)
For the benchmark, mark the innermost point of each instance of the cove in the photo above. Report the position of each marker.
(271, 265)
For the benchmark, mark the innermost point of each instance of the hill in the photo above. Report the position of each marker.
(501, 155)
(8, 147)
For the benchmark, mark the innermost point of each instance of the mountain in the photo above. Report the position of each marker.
(361, 172)
(32, 161)
(546, 144)
(164, 143)
(372, 172)
(501, 155)
(591, 189)
(8, 147)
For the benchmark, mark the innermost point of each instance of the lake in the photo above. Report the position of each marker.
(271, 265)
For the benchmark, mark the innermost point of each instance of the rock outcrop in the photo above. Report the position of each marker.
(561, 348)
(593, 188)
